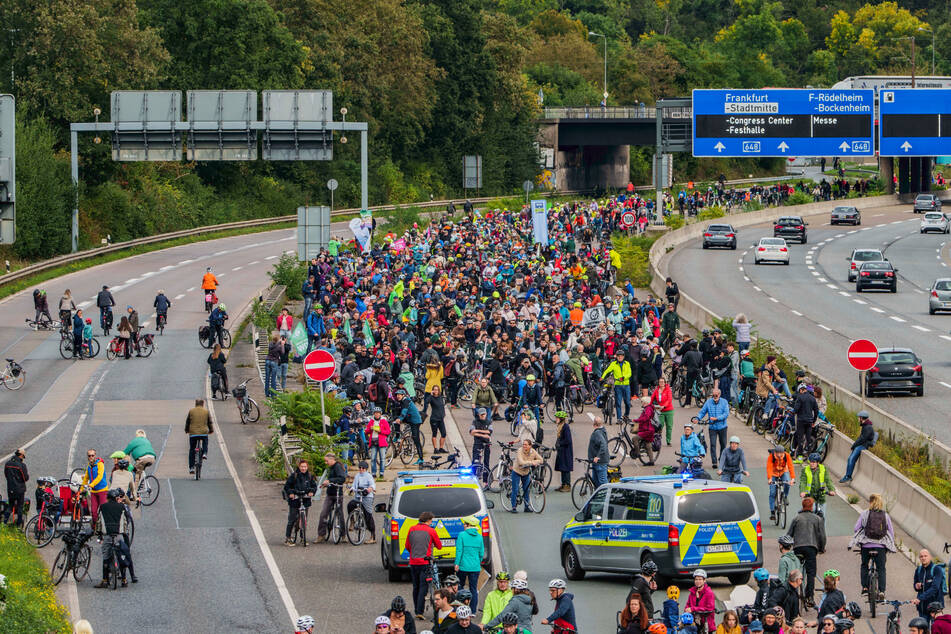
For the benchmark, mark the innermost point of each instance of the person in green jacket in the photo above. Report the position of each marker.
(787, 560)
(496, 600)
(141, 452)
(814, 481)
(470, 551)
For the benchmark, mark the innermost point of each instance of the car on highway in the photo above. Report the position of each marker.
(846, 215)
(771, 250)
(678, 523)
(897, 370)
(927, 202)
(877, 275)
(450, 495)
(790, 227)
(934, 221)
(860, 256)
(719, 236)
(939, 297)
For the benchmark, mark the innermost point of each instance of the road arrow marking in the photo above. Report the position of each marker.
(844, 147)
(782, 146)
(719, 146)
(905, 146)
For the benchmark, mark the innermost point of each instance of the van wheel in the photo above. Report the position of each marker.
(739, 578)
(571, 563)
(393, 574)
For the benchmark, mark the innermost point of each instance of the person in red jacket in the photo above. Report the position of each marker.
(940, 622)
(663, 399)
(420, 540)
(645, 430)
(377, 431)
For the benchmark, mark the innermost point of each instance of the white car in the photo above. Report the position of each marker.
(771, 250)
(934, 221)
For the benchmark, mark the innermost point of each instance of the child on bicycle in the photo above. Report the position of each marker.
(671, 613)
(87, 338)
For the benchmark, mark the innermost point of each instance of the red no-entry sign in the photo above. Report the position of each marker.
(863, 354)
(319, 365)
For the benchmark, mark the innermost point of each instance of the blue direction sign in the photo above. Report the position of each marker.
(783, 122)
(914, 122)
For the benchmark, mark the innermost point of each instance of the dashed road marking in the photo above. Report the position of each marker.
(945, 337)
(745, 278)
(840, 235)
(811, 268)
(945, 384)
(237, 268)
(832, 286)
(851, 232)
(824, 327)
(180, 296)
(189, 290)
(921, 328)
(896, 318)
(843, 293)
(774, 300)
(797, 313)
(741, 269)
(757, 288)
(253, 263)
(823, 280)
(270, 257)
(860, 301)
(876, 309)
(816, 273)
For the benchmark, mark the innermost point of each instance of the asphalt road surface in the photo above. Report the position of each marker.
(811, 310)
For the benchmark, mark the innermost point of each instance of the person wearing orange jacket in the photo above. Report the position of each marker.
(779, 469)
(576, 315)
(209, 282)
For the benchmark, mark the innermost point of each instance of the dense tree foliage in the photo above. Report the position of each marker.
(435, 79)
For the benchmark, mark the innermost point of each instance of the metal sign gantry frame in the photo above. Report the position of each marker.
(672, 136)
(185, 126)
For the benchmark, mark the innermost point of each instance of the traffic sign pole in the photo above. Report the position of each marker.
(320, 365)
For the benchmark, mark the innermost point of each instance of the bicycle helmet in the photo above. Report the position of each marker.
(123, 464)
(464, 595)
(382, 620)
(778, 612)
(222, 307)
(47, 480)
(649, 567)
(756, 626)
(451, 580)
(831, 572)
(814, 457)
(398, 604)
(934, 606)
(848, 624)
(830, 618)
(673, 592)
(918, 622)
(696, 465)
(557, 583)
(561, 414)
(657, 628)
(700, 572)
(688, 424)
(502, 575)
(347, 410)
(761, 574)
(510, 618)
(778, 449)
(305, 623)
(463, 612)
(786, 541)
(114, 494)
(88, 320)
(855, 609)
(686, 618)
(519, 584)
(117, 454)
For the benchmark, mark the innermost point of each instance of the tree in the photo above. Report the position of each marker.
(870, 40)
(663, 73)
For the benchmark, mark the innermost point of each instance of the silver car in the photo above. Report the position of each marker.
(934, 221)
(940, 295)
(846, 215)
(927, 202)
(862, 255)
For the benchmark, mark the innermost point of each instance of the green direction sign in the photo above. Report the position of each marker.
(299, 339)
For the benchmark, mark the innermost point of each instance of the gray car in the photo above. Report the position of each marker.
(719, 236)
(939, 297)
(846, 215)
(862, 255)
(927, 202)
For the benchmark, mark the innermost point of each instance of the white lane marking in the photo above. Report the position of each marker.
(816, 273)
(221, 252)
(165, 268)
(859, 301)
(222, 274)
(864, 228)
(945, 337)
(253, 263)
(741, 269)
(132, 281)
(740, 261)
(797, 313)
(824, 327)
(186, 262)
(898, 237)
(237, 268)
(945, 384)
(898, 319)
(877, 215)
(813, 248)
(180, 296)
(851, 232)
(144, 324)
(840, 235)
(289, 250)
(272, 566)
(876, 309)
(270, 257)
(823, 280)
(757, 288)
(832, 286)
(920, 292)
(746, 279)
(921, 328)
(774, 300)
(174, 511)
(898, 222)
(943, 264)
(843, 293)
(811, 268)
(189, 290)
(83, 304)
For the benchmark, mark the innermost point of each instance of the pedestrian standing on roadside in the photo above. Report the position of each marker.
(436, 404)
(284, 359)
(598, 452)
(270, 365)
(564, 450)
(17, 476)
(470, 552)
(663, 401)
(928, 583)
(742, 326)
(718, 411)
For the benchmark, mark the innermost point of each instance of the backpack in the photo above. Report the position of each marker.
(215, 382)
(656, 420)
(875, 525)
(874, 439)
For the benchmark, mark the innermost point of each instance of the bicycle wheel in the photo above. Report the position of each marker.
(466, 390)
(226, 337)
(407, 450)
(545, 475)
(336, 526)
(253, 412)
(146, 347)
(60, 566)
(114, 569)
(515, 424)
(148, 490)
(39, 531)
(617, 448)
(14, 381)
(131, 525)
(81, 563)
(642, 454)
(581, 490)
(754, 420)
(198, 462)
(496, 475)
(872, 590)
(823, 447)
(505, 493)
(66, 348)
(781, 509)
(93, 347)
(356, 527)
(550, 408)
(684, 397)
(77, 474)
(536, 496)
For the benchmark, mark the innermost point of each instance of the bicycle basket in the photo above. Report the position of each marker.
(614, 474)
(239, 392)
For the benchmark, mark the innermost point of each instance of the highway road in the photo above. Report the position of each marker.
(812, 311)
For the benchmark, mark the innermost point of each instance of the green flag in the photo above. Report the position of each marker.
(368, 339)
(299, 338)
(347, 330)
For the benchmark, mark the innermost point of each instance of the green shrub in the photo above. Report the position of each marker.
(710, 213)
(314, 446)
(31, 604)
(635, 260)
(302, 409)
(264, 319)
(289, 272)
(799, 198)
(726, 325)
(674, 221)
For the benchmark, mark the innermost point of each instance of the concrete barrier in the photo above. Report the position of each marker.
(915, 510)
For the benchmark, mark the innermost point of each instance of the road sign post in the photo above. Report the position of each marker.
(320, 365)
(862, 355)
(914, 122)
(332, 185)
(783, 122)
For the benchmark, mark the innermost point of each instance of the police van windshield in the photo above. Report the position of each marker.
(441, 502)
(715, 506)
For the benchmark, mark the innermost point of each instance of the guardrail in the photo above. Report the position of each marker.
(918, 512)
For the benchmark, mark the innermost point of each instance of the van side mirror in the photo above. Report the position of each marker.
(489, 504)
(579, 516)
(380, 507)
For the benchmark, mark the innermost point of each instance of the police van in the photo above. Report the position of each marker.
(679, 522)
(450, 495)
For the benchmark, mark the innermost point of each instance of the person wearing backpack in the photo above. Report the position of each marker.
(929, 583)
(866, 440)
(874, 534)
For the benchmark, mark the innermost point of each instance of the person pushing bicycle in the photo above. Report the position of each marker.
(363, 488)
(336, 477)
(302, 480)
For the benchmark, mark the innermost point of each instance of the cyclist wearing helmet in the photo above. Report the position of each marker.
(657, 628)
(522, 605)
(787, 559)
(110, 527)
(216, 324)
(644, 583)
(304, 625)
(809, 534)
(463, 597)
(779, 470)
(381, 625)
(814, 482)
(481, 432)
(563, 618)
(496, 600)
(833, 598)
(122, 476)
(701, 602)
(464, 624)
(687, 624)
(847, 626)
(761, 576)
(410, 414)
(399, 617)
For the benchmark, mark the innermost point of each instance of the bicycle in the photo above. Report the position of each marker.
(781, 504)
(545, 470)
(699, 392)
(248, 409)
(335, 522)
(13, 376)
(607, 402)
(41, 529)
(148, 489)
(357, 530)
(146, 343)
(75, 556)
(160, 320)
(493, 477)
(44, 324)
(623, 445)
(105, 320)
(700, 619)
(451, 461)
(893, 620)
(208, 340)
(66, 348)
(432, 578)
(199, 458)
(583, 487)
(111, 566)
(873, 592)
(821, 439)
(299, 530)
(745, 401)
(536, 492)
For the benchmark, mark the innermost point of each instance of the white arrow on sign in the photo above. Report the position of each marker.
(844, 147)
(783, 146)
(905, 146)
(719, 146)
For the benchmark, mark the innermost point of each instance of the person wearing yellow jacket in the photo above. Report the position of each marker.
(98, 482)
(620, 369)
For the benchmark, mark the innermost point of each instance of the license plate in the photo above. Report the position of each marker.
(719, 548)
(448, 543)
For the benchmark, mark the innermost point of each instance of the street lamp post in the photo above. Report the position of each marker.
(921, 28)
(605, 38)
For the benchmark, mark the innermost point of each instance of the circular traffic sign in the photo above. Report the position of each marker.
(528, 186)
(319, 365)
(628, 219)
(332, 184)
(863, 354)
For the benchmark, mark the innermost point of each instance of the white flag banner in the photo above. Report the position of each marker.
(361, 231)
(539, 222)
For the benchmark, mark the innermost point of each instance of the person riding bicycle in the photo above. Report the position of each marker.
(105, 301)
(779, 470)
(161, 305)
(690, 448)
(216, 324)
(496, 600)
(809, 536)
(531, 397)
(814, 482)
(510, 625)
(481, 431)
(336, 478)
(563, 618)
(141, 451)
(41, 305)
(110, 527)
(645, 430)
(363, 483)
(701, 602)
(208, 281)
(875, 535)
(66, 307)
(301, 480)
(198, 426)
(787, 558)
(304, 625)
(464, 624)
(122, 477)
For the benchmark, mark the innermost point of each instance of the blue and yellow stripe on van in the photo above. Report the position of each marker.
(618, 533)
